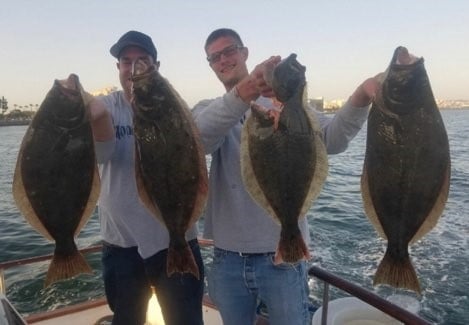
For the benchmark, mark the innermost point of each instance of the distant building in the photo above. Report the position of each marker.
(104, 91)
(317, 103)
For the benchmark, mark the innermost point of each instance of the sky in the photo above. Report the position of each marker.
(341, 42)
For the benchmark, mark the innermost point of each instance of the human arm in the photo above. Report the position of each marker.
(101, 121)
(347, 122)
(103, 129)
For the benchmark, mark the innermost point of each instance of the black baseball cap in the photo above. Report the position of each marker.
(134, 38)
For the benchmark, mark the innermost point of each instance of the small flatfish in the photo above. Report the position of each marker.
(56, 181)
(171, 171)
(406, 172)
(283, 157)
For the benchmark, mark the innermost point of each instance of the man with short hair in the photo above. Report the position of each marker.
(245, 236)
(135, 243)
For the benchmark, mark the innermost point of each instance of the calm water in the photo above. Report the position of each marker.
(344, 242)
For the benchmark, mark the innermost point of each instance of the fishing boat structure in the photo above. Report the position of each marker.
(362, 307)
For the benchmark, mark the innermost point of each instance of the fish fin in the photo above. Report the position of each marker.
(65, 267)
(368, 204)
(92, 201)
(21, 198)
(181, 260)
(248, 175)
(321, 169)
(291, 248)
(434, 215)
(397, 273)
(202, 192)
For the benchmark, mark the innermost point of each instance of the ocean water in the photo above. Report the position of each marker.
(343, 240)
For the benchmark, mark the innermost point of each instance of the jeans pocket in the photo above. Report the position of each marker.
(285, 266)
(218, 256)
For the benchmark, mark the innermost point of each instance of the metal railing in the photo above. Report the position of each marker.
(35, 259)
(367, 296)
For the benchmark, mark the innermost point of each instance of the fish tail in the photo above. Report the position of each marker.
(398, 273)
(181, 260)
(291, 248)
(64, 267)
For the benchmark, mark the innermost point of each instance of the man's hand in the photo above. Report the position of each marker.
(255, 84)
(263, 75)
(365, 93)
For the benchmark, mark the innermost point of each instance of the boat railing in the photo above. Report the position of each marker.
(365, 295)
(328, 278)
(30, 260)
(91, 249)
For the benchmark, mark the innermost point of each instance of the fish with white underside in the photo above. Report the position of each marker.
(406, 172)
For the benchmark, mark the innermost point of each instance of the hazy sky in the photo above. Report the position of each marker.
(340, 42)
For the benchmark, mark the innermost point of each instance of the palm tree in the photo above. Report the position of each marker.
(3, 105)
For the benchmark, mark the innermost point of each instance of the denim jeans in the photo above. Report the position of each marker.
(236, 283)
(125, 283)
(180, 296)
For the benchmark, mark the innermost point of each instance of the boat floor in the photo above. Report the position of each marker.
(90, 312)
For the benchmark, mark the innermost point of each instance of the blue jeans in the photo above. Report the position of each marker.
(125, 283)
(236, 283)
(180, 296)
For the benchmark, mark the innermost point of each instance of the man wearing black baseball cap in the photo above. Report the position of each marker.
(134, 38)
(135, 244)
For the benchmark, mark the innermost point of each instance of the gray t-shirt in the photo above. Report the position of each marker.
(124, 220)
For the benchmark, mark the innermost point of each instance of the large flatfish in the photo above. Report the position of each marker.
(406, 172)
(170, 163)
(56, 181)
(283, 157)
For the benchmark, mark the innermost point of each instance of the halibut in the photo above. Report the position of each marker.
(406, 172)
(283, 158)
(56, 181)
(170, 164)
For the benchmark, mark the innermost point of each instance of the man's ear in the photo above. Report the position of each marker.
(245, 52)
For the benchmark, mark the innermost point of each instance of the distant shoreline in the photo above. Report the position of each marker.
(325, 111)
(14, 122)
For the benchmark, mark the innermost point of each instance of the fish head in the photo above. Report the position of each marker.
(404, 82)
(288, 78)
(64, 105)
(148, 89)
(142, 80)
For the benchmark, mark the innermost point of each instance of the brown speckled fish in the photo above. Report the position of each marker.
(56, 181)
(283, 157)
(170, 163)
(406, 172)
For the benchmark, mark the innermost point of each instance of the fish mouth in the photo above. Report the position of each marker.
(69, 85)
(140, 70)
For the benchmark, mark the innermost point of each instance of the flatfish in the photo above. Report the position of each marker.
(283, 157)
(406, 172)
(56, 182)
(171, 171)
